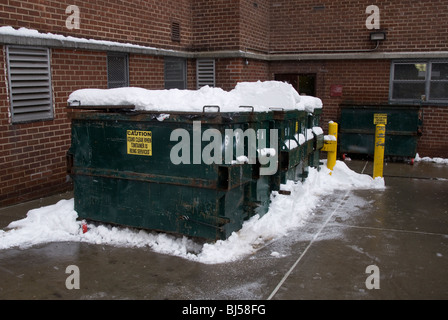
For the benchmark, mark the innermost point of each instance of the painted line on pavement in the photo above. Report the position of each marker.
(279, 285)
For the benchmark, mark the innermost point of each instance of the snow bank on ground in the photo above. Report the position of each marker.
(260, 95)
(286, 214)
(428, 159)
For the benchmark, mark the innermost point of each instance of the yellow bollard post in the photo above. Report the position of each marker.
(333, 129)
(332, 153)
(331, 146)
(380, 142)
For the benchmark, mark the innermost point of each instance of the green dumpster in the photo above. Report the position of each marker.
(318, 138)
(357, 129)
(123, 172)
(258, 195)
(291, 125)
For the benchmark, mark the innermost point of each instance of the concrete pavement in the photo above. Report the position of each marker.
(402, 231)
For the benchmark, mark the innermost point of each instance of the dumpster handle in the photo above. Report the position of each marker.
(75, 103)
(69, 159)
(251, 107)
(219, 109)
(279, 109)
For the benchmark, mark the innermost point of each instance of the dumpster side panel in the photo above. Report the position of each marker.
(134, 182)
(357, 130)
(195, 212)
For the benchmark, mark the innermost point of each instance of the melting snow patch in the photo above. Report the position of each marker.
(428, 159)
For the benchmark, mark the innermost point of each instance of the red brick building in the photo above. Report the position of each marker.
(317, 46)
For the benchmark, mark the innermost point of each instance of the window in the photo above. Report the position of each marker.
(205, 72)
(117, 70)
(439, 81)
(29, 78)
(419, 81)
(175, 73)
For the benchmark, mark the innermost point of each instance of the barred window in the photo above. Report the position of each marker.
(29, 78)
(175, 73)
(117, 70)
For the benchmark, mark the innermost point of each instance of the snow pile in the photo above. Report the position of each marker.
(48, 224)
(286, 214)
(428, 159)
(261, 95)
(318, 131)
(309, 103)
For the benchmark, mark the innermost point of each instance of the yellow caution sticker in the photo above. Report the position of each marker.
(380, 118)
(139, 143)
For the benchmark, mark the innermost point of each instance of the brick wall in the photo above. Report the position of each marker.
(33, 155)
(146, 72)
(340, 25)
(191, 74)
(231, 71)
(255, 25)
(144, 22)
(434, 141)
(216, 24)
(262, 25)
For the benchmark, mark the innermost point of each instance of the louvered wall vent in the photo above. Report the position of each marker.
(205, 69)
(29, 78)
(175, 31)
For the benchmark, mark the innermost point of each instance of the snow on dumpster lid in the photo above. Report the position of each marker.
(260, 95)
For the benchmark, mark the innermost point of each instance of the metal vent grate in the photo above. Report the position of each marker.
(117, 70)
(175, 73)
(175, 31)
(29, 78)
(205, 69)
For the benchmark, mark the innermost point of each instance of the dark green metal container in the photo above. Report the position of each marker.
(357, 129)
(290, 124)
(123, 173)
(121, 163)
(318, 139)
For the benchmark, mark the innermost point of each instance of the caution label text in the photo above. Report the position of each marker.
(139, 143)
(380, 118)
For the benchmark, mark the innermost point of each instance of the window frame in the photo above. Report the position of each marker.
(427, 82)
(166, 81)
(126, 72)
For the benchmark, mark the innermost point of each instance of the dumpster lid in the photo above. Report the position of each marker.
(379, 106)
(75, 104)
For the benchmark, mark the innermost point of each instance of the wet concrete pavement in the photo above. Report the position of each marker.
(403, 231)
